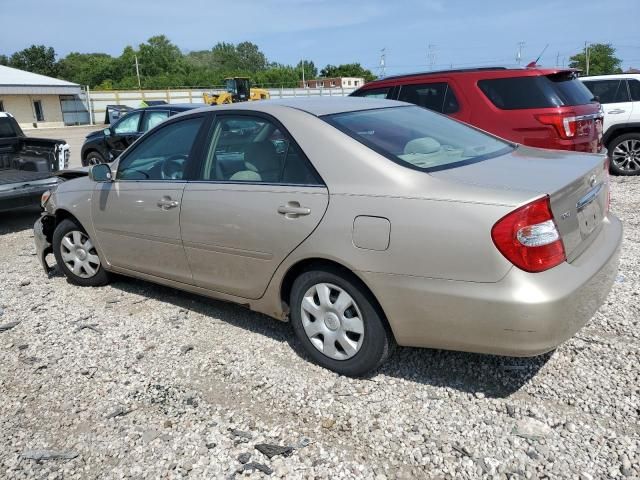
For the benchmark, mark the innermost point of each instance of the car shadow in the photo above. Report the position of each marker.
(493, 376)
(18, 220)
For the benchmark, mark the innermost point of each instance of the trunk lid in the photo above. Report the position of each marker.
(577, 184)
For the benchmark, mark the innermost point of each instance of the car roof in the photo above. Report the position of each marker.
(612, 77)
(317, 106)
(172, 106)
(479, 72)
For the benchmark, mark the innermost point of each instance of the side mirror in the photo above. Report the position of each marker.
(100, 173)
(107, 132)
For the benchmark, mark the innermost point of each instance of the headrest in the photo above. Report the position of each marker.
(422, 145)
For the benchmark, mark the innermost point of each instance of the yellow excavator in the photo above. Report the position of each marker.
(237, 89)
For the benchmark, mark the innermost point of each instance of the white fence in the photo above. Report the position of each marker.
(98, 100)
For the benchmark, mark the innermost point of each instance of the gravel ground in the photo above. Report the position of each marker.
(141, 381)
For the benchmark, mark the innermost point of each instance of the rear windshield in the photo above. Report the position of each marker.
(417, 138)
(557, 90)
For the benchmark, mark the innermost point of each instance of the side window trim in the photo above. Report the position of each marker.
(204, 143)
(194, 153)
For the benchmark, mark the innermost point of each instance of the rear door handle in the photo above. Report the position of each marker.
(616, 111)
(166, 203)
(293, 210)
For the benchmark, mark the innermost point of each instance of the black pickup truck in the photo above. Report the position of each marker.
(27, 165)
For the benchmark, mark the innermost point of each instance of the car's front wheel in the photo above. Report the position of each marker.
(93, 158)
(338, 322)
(76, 255)
(624, 152)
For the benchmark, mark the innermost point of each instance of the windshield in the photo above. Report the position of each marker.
(418, 138)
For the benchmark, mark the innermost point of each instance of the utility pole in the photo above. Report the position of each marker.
(138, 72)
(383, 62)
(558, 59)
(519, 52)
(304, 85)
(431, 56)
(586, 56)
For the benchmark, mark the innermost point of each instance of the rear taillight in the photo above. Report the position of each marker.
(565, 124)
(528, 237)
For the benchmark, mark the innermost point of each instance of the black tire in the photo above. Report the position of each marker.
(377, 343)
(100, 278)
(622, 139)
(92, 158)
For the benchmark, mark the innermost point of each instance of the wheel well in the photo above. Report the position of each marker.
(620, 131)
(324, 264)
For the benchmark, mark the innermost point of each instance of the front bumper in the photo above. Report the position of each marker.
(524, 314)
(42, 232)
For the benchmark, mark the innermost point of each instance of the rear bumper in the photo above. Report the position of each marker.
(24, 196)
(524, 314)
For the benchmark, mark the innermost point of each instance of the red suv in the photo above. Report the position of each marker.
(539, 107)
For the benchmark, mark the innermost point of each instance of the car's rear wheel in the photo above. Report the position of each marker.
(76, 255)
(338, 322)
(624, 152)
(93, 158)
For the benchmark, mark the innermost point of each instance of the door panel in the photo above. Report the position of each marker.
(137, 216)
(235, 237)
(138, 227)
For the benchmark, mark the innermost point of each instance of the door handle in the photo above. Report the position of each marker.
(616, 111)
(293, 210)
(165, 203)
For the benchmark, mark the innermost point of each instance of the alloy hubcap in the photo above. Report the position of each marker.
(332, 321)
(79, 254)
(626, 155)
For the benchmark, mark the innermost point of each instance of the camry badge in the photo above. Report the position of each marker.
(565, 215)
(592, 181)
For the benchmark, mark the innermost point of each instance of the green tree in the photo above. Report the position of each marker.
(602, 60)
(87, 68)
(4, 60)
(37, 59)
(310, 70)
(159, 56)
(250, 58)
(347, 70)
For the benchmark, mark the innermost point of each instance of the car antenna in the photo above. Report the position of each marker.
(534, 64)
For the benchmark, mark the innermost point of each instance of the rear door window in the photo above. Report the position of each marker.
(152, 118)
(544, 91)
(373, 93)
(437, 96)
(247, 149)
(609, 91)
(634, 90)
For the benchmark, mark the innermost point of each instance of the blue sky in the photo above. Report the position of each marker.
(463, 32)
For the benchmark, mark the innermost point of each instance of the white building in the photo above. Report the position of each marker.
(40, 101)
(337, 82)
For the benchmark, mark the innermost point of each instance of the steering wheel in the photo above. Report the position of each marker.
(172, 168)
